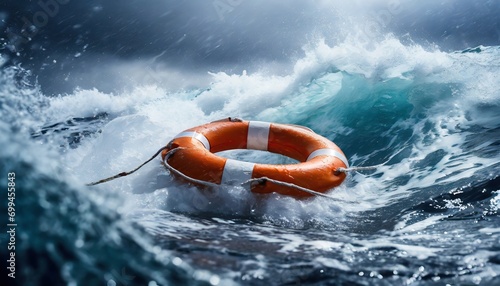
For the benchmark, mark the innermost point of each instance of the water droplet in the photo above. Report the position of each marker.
(177, 261)
(79, 243)
(214, 280)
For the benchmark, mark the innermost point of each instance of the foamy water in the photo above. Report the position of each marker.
(430, 116)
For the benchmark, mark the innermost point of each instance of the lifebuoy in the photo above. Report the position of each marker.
(319, 157)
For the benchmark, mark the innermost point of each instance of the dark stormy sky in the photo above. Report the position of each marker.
(70, 43)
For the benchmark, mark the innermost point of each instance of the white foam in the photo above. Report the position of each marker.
(332, 263)
(414, 250)
(145, 118)
(490, 230)
(401, 227)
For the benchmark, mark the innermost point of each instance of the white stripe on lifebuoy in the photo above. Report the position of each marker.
(258, 135)
(200, 165)
(236, 172)
(329, 152)
(198, 136)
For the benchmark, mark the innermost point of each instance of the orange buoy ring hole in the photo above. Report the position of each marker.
(319, 157)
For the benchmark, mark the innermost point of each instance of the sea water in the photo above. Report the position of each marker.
(429, 215)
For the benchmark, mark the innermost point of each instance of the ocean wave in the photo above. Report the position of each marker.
(430, 116)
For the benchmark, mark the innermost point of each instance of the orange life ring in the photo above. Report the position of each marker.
(320, 158)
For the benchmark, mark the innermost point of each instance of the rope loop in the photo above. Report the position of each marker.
(179, 173)
(261, 180)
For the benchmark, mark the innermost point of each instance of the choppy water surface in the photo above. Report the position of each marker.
(428, 216)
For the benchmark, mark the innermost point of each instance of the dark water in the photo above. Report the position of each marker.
(100, 87)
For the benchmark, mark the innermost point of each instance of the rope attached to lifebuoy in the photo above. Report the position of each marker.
(179, 173)
(261, 180)
(123, 174)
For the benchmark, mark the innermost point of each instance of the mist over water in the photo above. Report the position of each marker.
(91, 89)
(175, 43)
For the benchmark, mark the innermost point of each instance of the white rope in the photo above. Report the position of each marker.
(258, 180)
(262, 180)
(356, 169)
(179, 173)
(365, 168)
